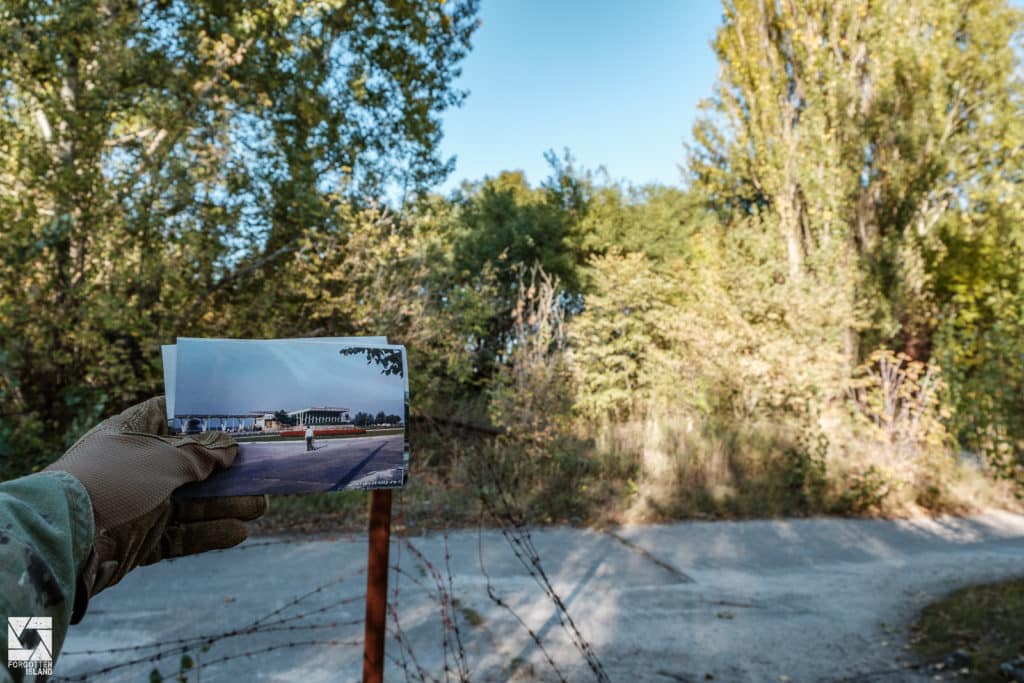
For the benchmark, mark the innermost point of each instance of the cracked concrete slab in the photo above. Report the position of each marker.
(800, 600)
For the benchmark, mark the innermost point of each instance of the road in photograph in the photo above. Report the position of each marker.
(287, 467)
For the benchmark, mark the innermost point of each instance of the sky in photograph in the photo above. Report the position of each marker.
(618, 83)
(237, 377)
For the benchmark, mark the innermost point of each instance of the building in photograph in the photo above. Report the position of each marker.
(327, 415)
(264, 421)
(257, 420)
(193, 424)
(260, 420)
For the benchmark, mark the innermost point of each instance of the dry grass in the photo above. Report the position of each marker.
(986, 622)
(656, 470)
(688, 469)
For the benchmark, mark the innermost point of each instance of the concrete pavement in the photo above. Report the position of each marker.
(788, 600)
(287, 467)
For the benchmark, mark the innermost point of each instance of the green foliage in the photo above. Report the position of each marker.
(625, 325)
(980, 344)
(505, 221)
(717, 335)
(902, 400)
(862, 165)
(807, 472)
(865, 492)
(654, 220)
(767, 340)
(880, 148)
(529, 395)
(159, 162)
(389, 360)
(285, 419)
(500, 225)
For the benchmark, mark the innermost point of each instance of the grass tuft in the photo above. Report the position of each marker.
(985, 621)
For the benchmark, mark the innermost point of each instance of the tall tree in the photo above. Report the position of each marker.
(881, 144)
(157, 160)
(852, 129)
(500, 226)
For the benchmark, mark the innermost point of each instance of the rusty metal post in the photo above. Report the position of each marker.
(377, 586)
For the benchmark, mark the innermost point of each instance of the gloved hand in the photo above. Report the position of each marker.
(129, 466)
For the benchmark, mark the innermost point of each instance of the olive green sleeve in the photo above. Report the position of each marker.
(46, 535)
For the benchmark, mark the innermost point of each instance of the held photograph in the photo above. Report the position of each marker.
(309, 415)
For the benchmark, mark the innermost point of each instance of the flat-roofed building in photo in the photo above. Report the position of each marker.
(265, 420)
(326, 415)
(257, 420)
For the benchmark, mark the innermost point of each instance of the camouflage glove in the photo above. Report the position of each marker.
(130, 466)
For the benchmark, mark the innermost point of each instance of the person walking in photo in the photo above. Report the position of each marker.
(309, 438)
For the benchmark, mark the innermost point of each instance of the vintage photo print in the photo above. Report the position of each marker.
(309, 415)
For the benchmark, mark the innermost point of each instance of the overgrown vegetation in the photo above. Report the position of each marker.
(827, 317)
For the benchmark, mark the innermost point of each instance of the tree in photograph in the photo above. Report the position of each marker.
(285, 419)
(362, 419)
(389, 360)
(380, 418)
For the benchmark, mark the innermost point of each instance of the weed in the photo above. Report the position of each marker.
(984, 621)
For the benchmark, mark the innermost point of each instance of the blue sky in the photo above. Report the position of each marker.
(236, 377)
(618, 83)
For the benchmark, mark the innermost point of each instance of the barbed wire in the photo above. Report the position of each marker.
(500, 602)
(446, 602)
(157, 676)
(405, 649)
(434, 582)
(261, 625)
(464, 667)
(512, 523)
(319, 589)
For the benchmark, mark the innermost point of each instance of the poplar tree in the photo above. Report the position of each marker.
(880, 144)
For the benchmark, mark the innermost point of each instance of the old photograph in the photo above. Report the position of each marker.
(309, 415)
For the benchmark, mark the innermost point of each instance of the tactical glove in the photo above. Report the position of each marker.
(130, 465)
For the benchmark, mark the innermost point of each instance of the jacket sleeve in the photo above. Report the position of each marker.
(46, 535)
